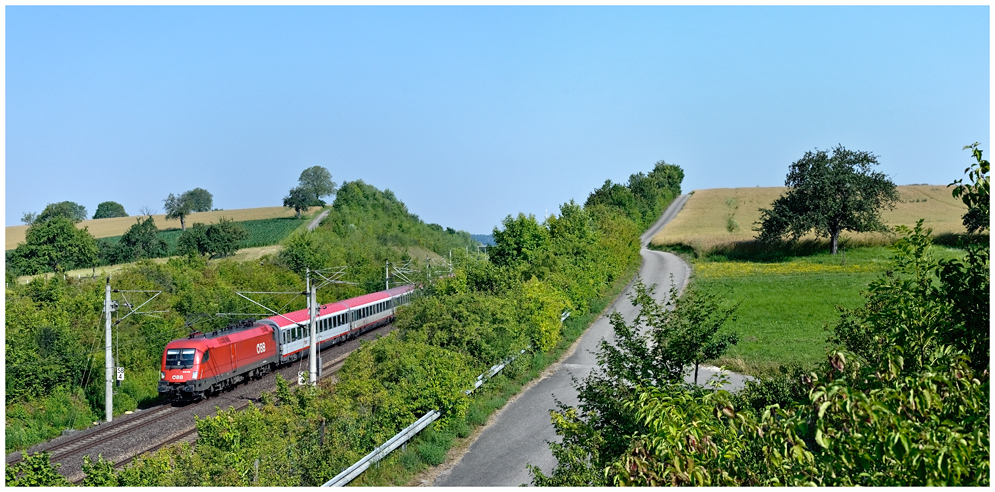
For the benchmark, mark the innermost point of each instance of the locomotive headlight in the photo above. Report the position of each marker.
(162, 375)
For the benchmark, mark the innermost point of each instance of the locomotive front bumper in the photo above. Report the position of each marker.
(180, 391)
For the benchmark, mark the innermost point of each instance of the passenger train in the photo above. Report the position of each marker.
(203, 364)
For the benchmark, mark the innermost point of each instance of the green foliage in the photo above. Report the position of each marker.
(522, 240)
(54, 244)
(106, 210)
(305, 251)
(828, 194)
(34, 471)
(225, 237)
(655, 350)
(482, 326)
(40, 418)
(141, 241)
(216, 240)
(925, 304)
(193, 240)
(399, 381)
(297, 199)
(976, 195)
(316, 182)
(70, 210)
(540, 307)
(645, 197)
(99, 473)
(200, 200)
(178, 207)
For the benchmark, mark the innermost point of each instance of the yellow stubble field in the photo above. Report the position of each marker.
(119, 225)
(721, 216)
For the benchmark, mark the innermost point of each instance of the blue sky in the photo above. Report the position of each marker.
(470, 114)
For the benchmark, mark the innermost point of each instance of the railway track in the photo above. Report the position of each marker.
(126, 432)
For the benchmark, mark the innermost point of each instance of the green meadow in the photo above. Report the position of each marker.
(786, 306)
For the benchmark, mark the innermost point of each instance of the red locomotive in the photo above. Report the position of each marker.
(206, 363)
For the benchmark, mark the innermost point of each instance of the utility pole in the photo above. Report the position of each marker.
(313, 349)
(387, 275)
(108, 357)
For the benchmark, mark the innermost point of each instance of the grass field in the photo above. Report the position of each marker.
(119, 225)
(790, 294)
(786, 305)
(720, 218)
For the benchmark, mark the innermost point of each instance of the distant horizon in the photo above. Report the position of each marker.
(472, 233)
(474, 113)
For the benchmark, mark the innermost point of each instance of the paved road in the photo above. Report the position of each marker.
(520, 432)
(317, 220)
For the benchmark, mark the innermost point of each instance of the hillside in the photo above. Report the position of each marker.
(119, 225)
(721, 216)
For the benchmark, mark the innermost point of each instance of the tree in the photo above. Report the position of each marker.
(70, 210)
(655, 350)
(200, 199)
(216, 240)
(316, 182)
(523, 240)
(298, 200)
(193, 240)
(305, 251)
(28, 218)
(224, 237)
(977, 195)
(107, 210)
(828, 195)
(178, 207)
(140, 241)
(54, 245)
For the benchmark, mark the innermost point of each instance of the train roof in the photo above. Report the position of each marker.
(247, 329)
(303, 316)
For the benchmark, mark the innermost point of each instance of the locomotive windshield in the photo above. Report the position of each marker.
(179, 358)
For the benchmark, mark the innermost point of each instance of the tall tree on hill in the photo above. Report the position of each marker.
(107, 210)
(200, 199)
(316, 182)
(178, 207)
(829, 194)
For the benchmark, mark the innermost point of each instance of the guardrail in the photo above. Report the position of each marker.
(410, 431)
(381, 452)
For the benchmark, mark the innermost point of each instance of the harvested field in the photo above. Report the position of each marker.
(719, 217)
(119, 225)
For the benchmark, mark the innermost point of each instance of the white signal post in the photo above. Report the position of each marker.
(313, 349)
(108, 357)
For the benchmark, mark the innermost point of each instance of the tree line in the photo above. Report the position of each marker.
(54, 244)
